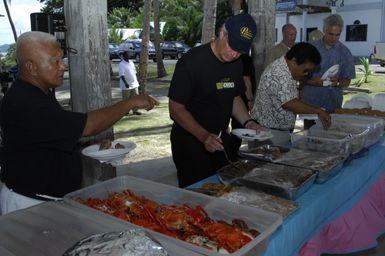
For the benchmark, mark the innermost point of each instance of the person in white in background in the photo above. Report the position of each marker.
(127, 79)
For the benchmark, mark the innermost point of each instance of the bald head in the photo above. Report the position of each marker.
(289, 34)
(39, 58)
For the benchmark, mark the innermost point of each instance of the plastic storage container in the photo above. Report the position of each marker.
(322, 141)
(358, 135)
(343, 122)
(263, 221)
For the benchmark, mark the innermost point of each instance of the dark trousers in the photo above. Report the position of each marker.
(192, 161)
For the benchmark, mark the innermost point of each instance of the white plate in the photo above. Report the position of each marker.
(111, 154)
(331, 72)
(250, 134)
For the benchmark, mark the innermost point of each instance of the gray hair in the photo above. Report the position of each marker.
(29, 38)
(333, 20)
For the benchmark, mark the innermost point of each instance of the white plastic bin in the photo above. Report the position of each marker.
(358, 135)
(322, 141)
(344, 122)
(218, 209)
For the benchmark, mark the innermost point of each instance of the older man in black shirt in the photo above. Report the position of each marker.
(39, 137)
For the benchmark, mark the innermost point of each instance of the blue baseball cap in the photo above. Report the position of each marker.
(241, 31)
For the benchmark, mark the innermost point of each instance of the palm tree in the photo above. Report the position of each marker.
(10, 18)
(144, 52)
(209, 17)
(159, 59)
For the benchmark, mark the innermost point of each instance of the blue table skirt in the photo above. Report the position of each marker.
(323, 203)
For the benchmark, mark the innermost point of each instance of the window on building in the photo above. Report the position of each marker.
(356, 32)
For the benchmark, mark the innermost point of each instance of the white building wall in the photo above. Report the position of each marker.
(371, 13)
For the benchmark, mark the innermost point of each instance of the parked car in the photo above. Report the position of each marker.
(182, 48)
(134, 48)
(114, 51)
(169, 49)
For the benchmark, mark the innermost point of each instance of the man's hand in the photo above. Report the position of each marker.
(213, 143)
(325, 118)
(143, 101)
(253, 125)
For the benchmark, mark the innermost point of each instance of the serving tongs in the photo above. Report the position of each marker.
(224, 151)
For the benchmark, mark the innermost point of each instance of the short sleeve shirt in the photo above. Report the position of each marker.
(330, 98)
(276, 87)
(207, 87)
(40, 138)
(128, 70)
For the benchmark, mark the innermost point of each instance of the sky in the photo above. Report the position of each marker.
(20, 11)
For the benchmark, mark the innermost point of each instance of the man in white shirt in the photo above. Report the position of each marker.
(128, 82)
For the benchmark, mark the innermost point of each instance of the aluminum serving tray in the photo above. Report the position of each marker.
(325, 164)
(265, 152)
(285, 181)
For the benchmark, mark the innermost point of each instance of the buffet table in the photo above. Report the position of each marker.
(326, 205)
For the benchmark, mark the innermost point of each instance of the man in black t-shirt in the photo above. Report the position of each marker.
(39, 157)
(204, 93)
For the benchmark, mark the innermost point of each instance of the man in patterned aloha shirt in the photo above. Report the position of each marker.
(277, 98)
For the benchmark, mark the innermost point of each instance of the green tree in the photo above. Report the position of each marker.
(116, 35)
(10, 58)
(183, 20)
(120, 18)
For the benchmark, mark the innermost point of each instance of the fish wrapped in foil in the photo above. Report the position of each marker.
(132, 242)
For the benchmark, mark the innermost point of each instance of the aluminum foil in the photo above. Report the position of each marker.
(261, 200)
(132, 242)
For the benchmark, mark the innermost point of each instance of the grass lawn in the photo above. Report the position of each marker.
(376, 84)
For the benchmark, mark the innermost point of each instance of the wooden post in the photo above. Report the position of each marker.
(209, 17)
(89, 69)
(263, 12)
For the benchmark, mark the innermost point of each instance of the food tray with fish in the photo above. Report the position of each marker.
(322, 141)
(265, 152)
(327, 165)
(285, 181)
(178, 211)
(250, 197)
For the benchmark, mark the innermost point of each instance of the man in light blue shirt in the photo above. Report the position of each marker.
(327, 93)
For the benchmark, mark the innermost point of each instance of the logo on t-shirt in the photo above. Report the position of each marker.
(225, 84)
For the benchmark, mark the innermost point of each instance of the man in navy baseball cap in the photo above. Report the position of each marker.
(241, 30)
(205, 93)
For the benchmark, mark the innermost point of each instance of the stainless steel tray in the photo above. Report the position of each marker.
(265, 152)
(285, 181)
(327, 165)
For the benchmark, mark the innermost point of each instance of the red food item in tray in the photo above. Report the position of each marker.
(186, 223)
